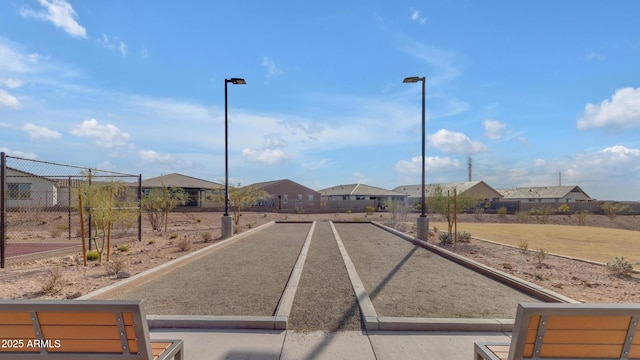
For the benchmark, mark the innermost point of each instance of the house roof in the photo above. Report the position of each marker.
(543, 192)
(181, 181)
(430, 189)
(265, 185)
(358, 189)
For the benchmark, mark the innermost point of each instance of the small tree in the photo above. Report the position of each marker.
(564, 208)
(159, 202)
(542, 213)
(241, 197)
(613, 209)
(449, 206)
(582, 216)
(105, 202)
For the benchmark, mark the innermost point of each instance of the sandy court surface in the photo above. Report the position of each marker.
(246, 277)
(409, 281)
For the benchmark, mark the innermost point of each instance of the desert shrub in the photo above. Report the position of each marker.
(207, 237)
(613, 209)
(348, 211)
(249, 225)
(115, 265)
(502, 212)
(54, 283)
(124, 247)
(152, 241)
(93, 255)
(59, 229)
(523, 245)
(174, 236)
(237, 228)
(369, 210)
(358, 218)
(184, 244)
(464, 237)
(299, 211)
(445, 238)
(582, 216)
(264, 215)
(541, 213)
(620, 266)
(435, 229)
(522, 217)
(540, 255)
(564, 208)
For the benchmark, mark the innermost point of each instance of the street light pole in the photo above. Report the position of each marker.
(423, 220)
(227, 222)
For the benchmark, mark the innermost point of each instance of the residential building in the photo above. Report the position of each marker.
(26, 190)
(287, 195)
(200, 193)
(545, 194)
(358, 196)
(475, 189)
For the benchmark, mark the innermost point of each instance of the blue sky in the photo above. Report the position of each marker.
(527, 89)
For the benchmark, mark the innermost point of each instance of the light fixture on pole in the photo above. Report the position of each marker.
(423, 220)
(227, 222)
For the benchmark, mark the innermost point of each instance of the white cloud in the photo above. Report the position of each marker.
(105, 136)
(9, 101)
(271, 152)
(59, 13)
(151, 156)
(594, 57)
(621, 152)
(432, 164)
(415, 16)
(41, 133)
(270, 65)
(623, 111)
(114, 44)
(11, 83)
(454, 142)
(18, 153)
(494, 129)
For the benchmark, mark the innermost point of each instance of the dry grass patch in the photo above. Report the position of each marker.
(592, 243)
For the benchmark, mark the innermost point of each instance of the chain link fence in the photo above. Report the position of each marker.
(39, 211)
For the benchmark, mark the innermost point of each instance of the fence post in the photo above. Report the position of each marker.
(90, 219)
(3, 209)
(139, 207)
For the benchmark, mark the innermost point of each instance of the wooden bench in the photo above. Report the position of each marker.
(80, 329)
(570, 331)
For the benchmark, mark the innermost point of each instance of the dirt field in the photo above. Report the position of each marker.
(579, 280)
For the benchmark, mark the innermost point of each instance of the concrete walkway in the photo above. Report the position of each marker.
(291, 345)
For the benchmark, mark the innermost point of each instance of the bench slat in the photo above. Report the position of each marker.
(17, 332)
(76, 318)
(15, 318)
(88, 346)
(603, 337)
(79, 332)
(501, 351)
(581, 351)
(588, 322)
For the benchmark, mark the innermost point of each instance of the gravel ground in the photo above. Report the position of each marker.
(325, 299)
(246, 277)
(406, 280)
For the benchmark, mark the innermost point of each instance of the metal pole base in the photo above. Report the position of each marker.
(227, 226)
(423, 228)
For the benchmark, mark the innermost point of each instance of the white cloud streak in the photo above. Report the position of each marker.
(59, 13)
(9, 101)
(41, 133)
(417, 17)
(270, 65)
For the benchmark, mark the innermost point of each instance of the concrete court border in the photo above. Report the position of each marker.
(277, 322)
(373, 322)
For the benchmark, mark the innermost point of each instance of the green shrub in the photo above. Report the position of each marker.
(445, 238)
(124, 247)
(464, 237)
(358, 218)
(93, 255)
(502, 211)
(173, 236)
(522, 217)
(564, 208)
(369, 210)
(582, 216)
(115, 265)
(620, 266)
